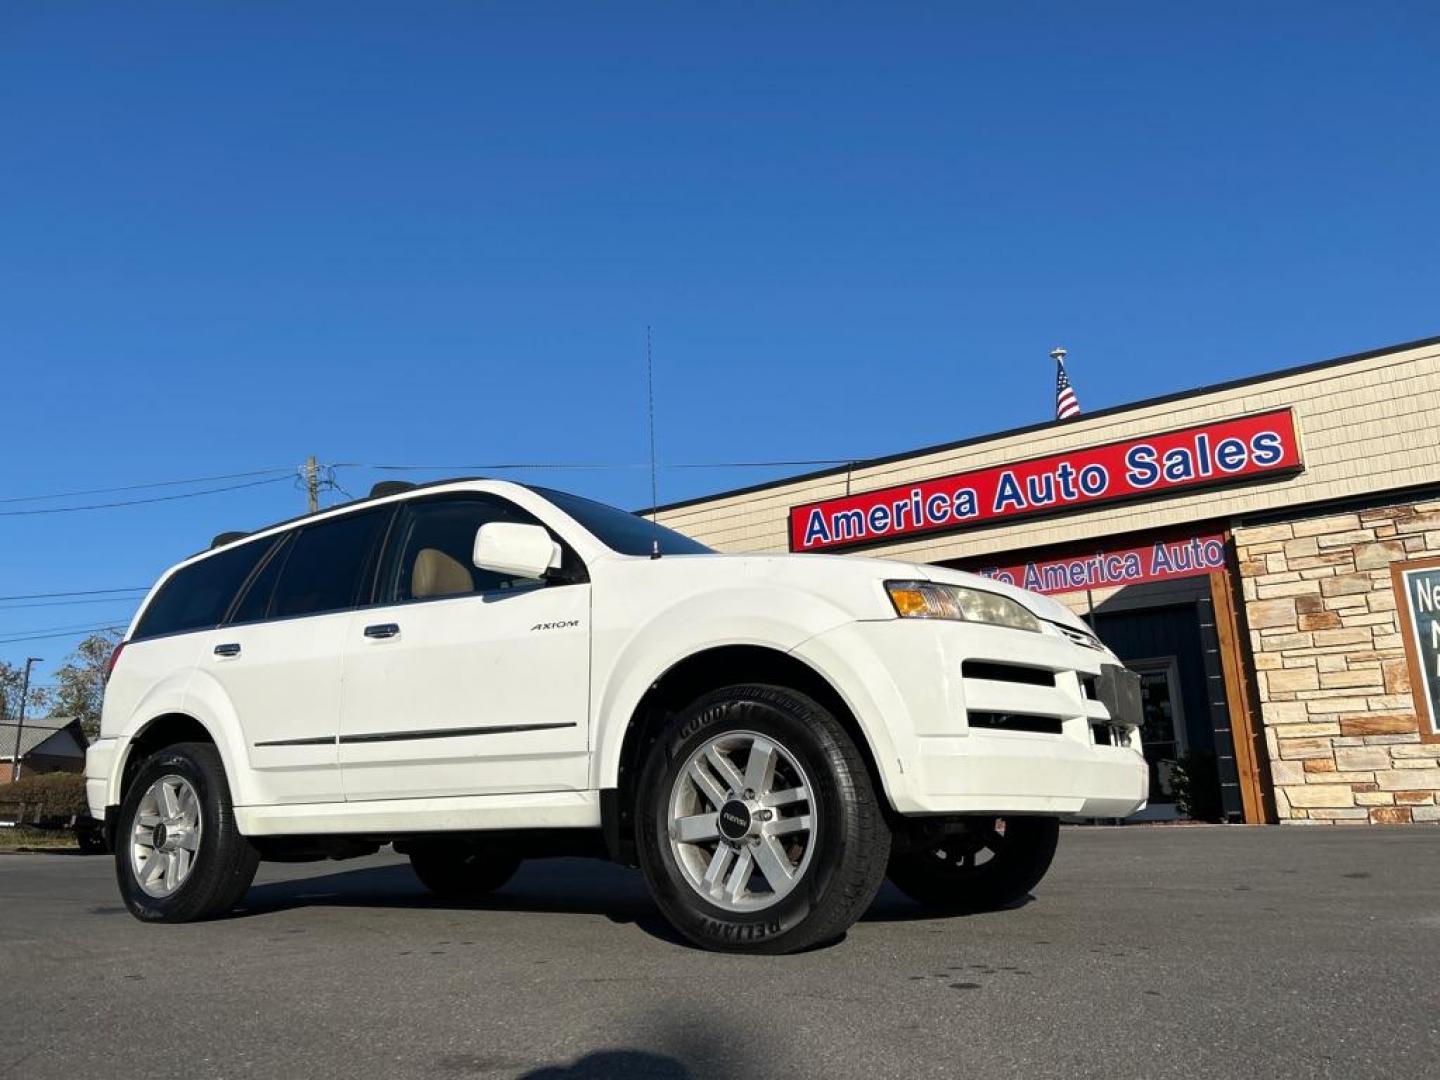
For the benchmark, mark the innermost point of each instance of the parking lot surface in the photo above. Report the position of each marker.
(1147, 952)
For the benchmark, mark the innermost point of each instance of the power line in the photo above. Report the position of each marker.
(78, 592)
(138, 502)
(274, 475)
(69, 603)
(77, 628)
(507, 466)
(758, 464)
(141, 487)
(47, 637)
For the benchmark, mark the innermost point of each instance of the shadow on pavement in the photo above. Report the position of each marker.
(570, 886)
(561, 886)
(615, 1063)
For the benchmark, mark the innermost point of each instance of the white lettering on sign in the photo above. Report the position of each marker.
(1427, 595)
(1182, 557)
(1422, 587)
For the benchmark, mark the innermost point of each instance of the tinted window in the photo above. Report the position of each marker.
(435, 545)
(197, 596)
(255, 602)
(327, 564)
(627, 533)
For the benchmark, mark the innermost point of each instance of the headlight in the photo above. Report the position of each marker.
(931, 600)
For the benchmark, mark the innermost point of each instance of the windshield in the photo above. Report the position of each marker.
(629, 534)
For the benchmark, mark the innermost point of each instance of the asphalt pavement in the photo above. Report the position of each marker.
(1147, 952)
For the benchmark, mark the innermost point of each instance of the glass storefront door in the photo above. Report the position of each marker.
(1162, 727)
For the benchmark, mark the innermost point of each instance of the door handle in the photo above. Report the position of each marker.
(228, 649)
(383, 630)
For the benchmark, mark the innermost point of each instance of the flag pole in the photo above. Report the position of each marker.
(1066, 404)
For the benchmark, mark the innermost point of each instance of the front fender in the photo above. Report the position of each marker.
(636, 661)
(846, 659)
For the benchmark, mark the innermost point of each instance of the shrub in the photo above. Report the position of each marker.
(46, 796)
(1195, 781)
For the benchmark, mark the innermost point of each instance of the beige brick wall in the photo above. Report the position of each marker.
(1336, 706)
(1365, 426)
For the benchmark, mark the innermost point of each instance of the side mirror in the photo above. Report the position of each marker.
(515, 550)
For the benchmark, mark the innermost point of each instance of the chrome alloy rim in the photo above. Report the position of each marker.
(166, 835)
(742, 821)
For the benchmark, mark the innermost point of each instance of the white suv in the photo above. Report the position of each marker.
(479, 672)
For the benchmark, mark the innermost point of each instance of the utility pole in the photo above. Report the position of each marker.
(312, 482)
(30, 661)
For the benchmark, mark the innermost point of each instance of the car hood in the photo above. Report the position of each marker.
(849, 580)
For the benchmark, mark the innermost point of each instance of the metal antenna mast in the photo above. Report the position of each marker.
(650, 390)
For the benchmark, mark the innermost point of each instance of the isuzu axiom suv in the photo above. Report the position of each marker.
(479, 672)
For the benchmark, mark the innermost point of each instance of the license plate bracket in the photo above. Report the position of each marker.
(1118, 689)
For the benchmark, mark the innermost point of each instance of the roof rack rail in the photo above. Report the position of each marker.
(390, 487)
(227, 538)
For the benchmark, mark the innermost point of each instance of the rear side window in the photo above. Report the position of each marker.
(197, 596)
(255, 603)
(328, 564)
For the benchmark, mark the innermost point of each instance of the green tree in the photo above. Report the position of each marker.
(80, 682)
(12, 679)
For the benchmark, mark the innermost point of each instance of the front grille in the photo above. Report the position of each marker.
(1042, 725)
(1012, 673)
(1079, 637)
(1103, 734)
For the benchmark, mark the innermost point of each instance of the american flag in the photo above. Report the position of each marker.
(1066, 403)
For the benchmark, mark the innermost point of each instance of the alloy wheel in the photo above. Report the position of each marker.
(742, 821)
(165, 837)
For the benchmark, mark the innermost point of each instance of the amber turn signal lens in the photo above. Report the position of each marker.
(909, 603)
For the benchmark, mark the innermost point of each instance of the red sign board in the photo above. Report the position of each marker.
(1181, 557)
(1224, 451)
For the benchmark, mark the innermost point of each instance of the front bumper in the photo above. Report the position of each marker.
(971, 719)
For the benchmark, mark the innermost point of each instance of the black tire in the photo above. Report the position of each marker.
(851, 840)
(224, 864)
(462, 873)
(955, 875)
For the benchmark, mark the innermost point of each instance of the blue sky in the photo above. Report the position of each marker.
(232, 235)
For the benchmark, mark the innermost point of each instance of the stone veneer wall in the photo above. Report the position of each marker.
(1336, 707)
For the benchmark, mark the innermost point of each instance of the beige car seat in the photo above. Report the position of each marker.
(438, 574)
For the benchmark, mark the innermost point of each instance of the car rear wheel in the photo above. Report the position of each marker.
(462, 873)
(178, 854)
(757, 826)
(993, 864)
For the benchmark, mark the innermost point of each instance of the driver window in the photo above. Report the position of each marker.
(435, 544)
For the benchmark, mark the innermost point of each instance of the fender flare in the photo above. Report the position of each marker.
(868, 706)
(693, 624)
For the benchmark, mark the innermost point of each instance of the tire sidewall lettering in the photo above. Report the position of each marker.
(680, 902)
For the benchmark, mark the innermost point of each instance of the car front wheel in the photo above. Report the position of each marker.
(757, 825)
(993, 863)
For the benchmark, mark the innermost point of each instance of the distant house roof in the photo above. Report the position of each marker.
(51, 736)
